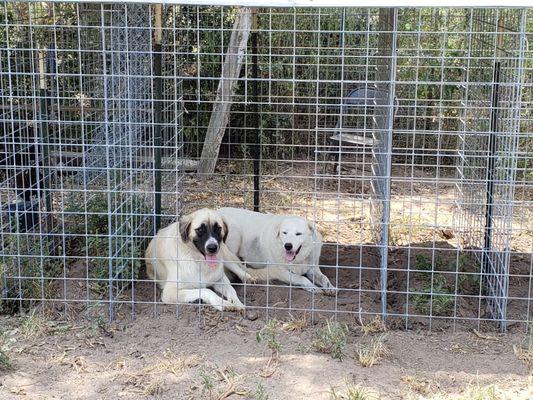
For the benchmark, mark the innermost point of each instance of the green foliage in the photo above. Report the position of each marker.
(289, 107)
(268, 335)
(437, 298)
(5, 359)
(89, 216)
(422, 262)
(260, 392)
(463, 275)
(90, 220)
(331, 339)
(208, 384)
(27, 270)
(437, 263)
(289, 72)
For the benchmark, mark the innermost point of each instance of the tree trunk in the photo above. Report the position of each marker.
(226, 86)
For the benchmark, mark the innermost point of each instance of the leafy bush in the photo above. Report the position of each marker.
(89, 222)
(331, 339)
(437, 299)
(27, 271)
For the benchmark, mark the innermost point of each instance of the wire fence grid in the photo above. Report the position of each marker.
(405, 134)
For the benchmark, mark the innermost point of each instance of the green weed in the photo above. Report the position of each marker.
(5, 360)
(331, 339)
(352, 392)
(268, 335)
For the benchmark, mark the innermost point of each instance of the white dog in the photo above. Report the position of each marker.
(288, 246)
(188, 257)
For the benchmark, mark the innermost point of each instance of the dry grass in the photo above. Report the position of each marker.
(353, 392)
(176, 365)
(150, 379)
(474, 391)
(233, 382)
(220, 383)
(172, 364)
(147, 385)
(370, 354)
(77, 363)
(19, 391)
(524, 354)
(419, 384)
(154, 387)
(524, 351)
(296, 324)
(481, 393)
(34, 324)
(376, 325)
(334, 213)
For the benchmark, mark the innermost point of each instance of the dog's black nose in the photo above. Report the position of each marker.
(288, 246)
(212, 247)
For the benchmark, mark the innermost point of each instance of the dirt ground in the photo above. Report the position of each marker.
(203, 355)
(206, 355)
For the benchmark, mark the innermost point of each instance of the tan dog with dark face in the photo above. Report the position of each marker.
(188, 258)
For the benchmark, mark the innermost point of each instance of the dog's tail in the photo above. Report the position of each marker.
(268, 274)
(260, 275)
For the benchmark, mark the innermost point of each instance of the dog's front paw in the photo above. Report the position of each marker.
(312, 289)
(234, 306)
(330, 291)
(250, 279)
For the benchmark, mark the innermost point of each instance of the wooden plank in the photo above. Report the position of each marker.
(75, 159)
(226, 86)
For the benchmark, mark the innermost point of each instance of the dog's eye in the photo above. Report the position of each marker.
(200, 230)
(284, 233)
(298, 233)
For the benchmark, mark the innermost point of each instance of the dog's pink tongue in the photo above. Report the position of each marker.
(211, 260)
(290, 255)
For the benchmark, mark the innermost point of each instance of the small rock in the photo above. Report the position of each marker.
(252, 315)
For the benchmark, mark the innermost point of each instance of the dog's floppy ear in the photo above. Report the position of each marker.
(277, 228)
(312, 228)
(184, 227)
(225, 228)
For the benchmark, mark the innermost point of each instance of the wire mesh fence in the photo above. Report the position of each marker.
(404, 134)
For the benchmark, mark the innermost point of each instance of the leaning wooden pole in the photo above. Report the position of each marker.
(157, 116)
(231, 70)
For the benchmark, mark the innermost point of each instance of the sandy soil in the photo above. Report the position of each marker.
(203, 355)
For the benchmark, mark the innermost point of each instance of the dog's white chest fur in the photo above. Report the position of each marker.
(194, 274)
